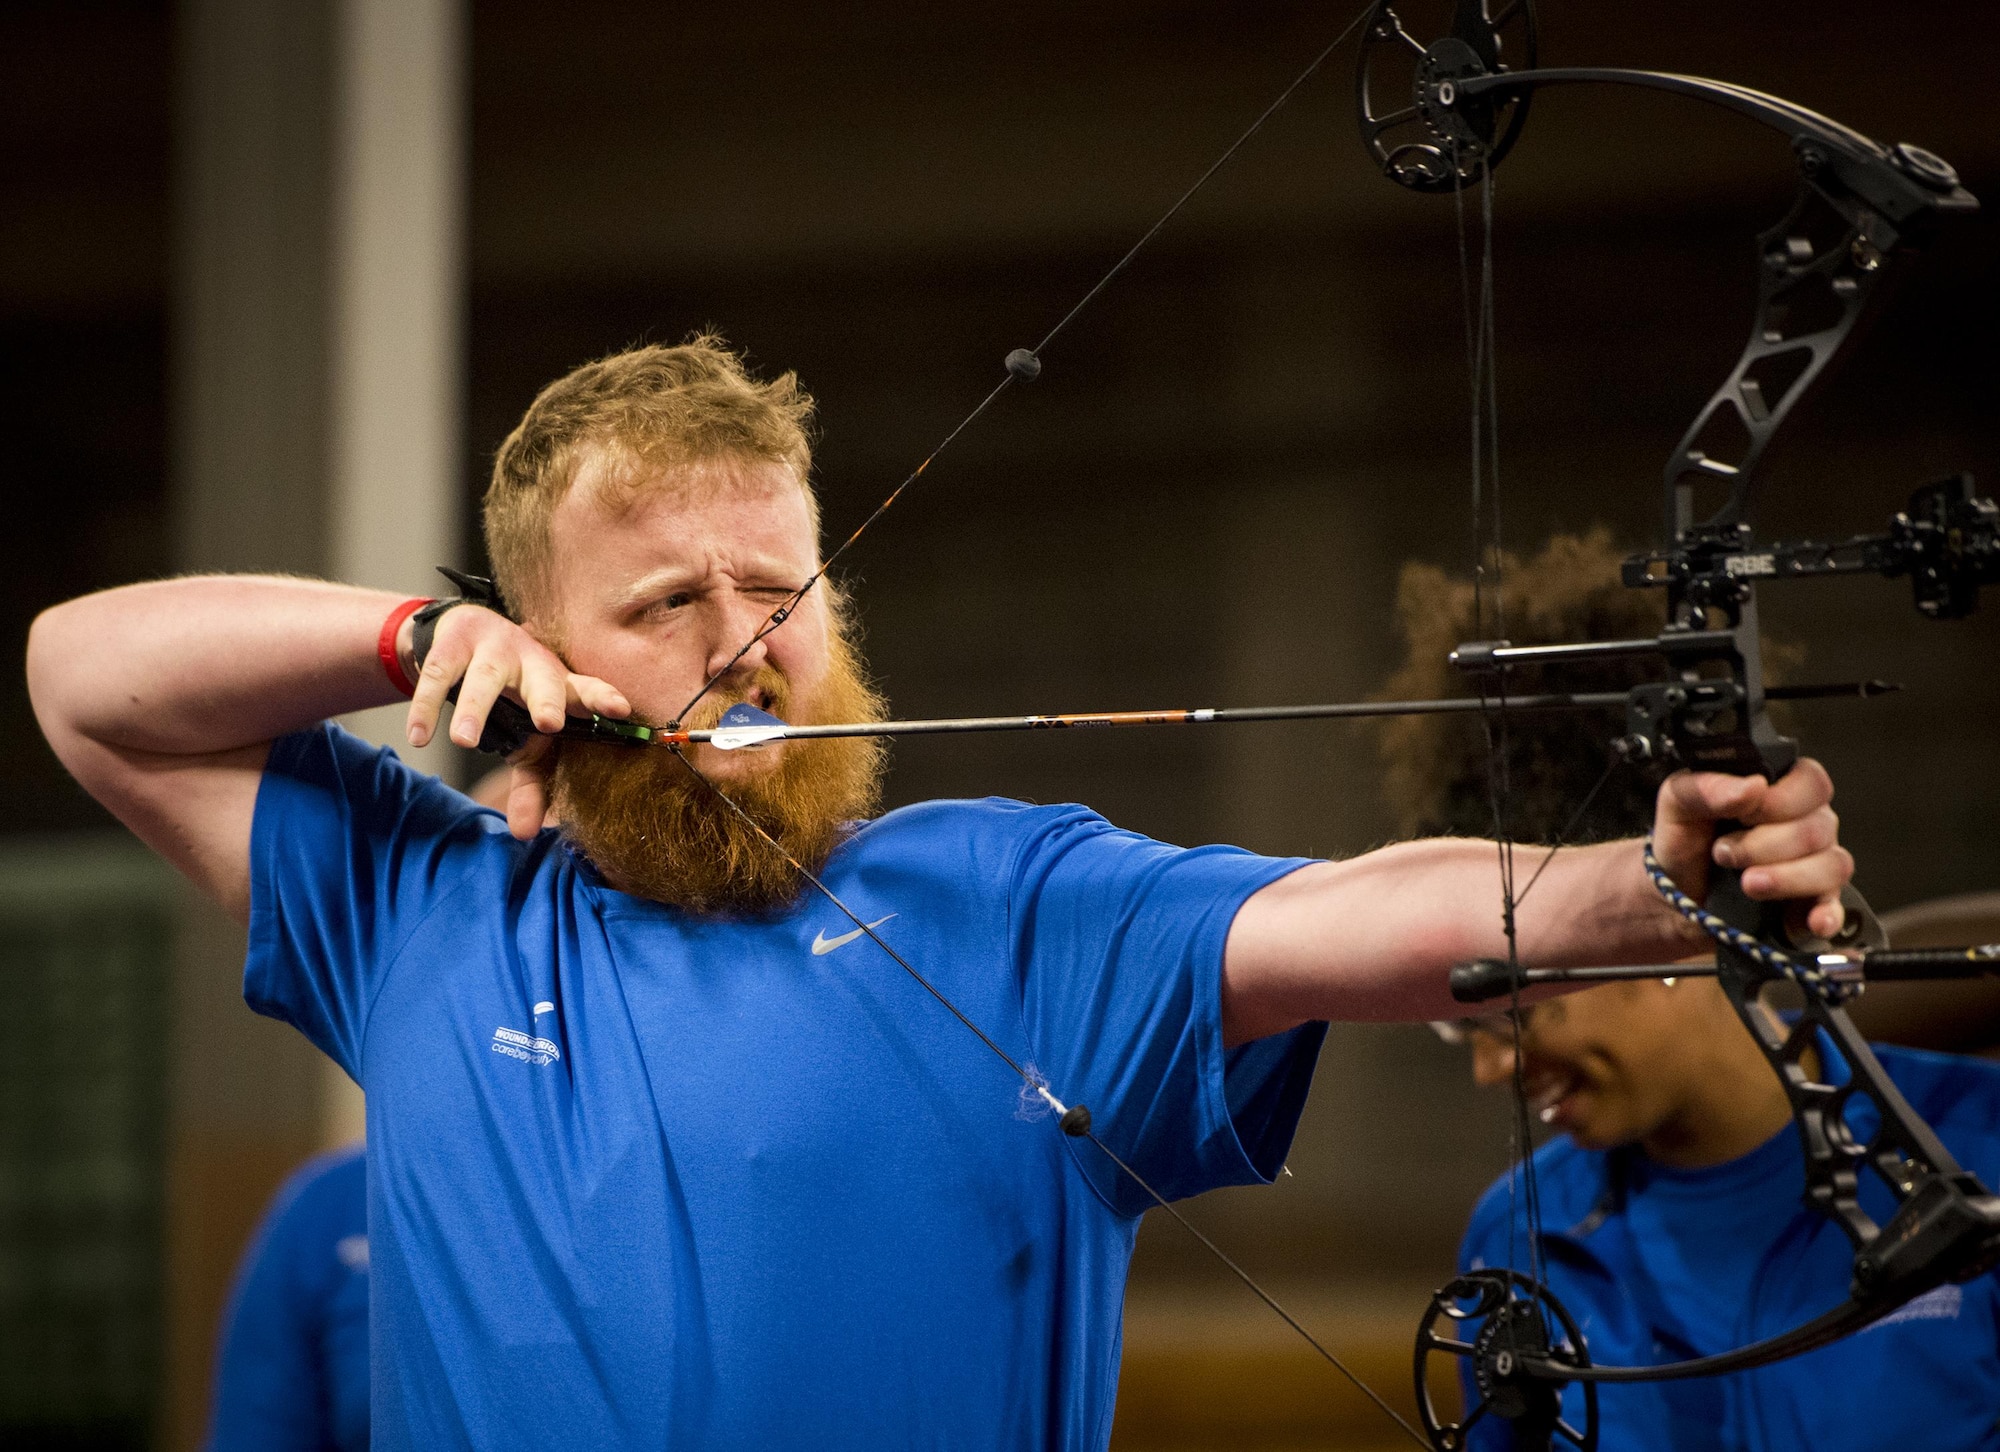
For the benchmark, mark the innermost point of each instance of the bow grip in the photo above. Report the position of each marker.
(1727, 900)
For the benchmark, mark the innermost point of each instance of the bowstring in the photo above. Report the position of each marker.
(791, 602)
(1561, 839)
(1482, 381)
(1033, 1081)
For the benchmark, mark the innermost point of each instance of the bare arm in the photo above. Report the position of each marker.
(1375, 937)
(162, 699)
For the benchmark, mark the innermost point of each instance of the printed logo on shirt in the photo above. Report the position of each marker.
(822, 944)
(1940, 1303)
(544, 1007)
(525, 1047)
(352, 1252)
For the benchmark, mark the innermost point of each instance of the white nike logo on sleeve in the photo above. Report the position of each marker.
(823, 945)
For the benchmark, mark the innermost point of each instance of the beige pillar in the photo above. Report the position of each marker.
(316, 324)
(249, 327)
(396, 306)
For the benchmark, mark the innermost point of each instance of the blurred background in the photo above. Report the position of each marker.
(275, 278)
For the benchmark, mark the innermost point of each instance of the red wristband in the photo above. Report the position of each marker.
(385, 644)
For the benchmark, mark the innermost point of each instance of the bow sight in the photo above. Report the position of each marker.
(1439, 116)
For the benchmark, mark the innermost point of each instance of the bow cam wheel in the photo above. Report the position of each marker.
(1501, 1321)
(1414, 122)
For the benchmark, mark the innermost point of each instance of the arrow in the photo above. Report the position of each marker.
(744, 727)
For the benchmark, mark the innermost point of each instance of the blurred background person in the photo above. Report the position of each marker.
(292, 1372)
(1672, 1217)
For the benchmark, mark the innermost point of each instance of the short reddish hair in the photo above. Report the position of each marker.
(652, 406)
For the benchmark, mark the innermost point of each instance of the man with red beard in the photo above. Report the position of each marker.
(663, 1151)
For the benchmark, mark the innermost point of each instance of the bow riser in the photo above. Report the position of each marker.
(1946, 1227)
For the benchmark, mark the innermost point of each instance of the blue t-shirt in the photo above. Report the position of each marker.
(1658, 1265)
(293, 1370)
(645, 1179)
(1702, 1234)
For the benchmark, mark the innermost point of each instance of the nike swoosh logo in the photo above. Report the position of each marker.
(823, 945)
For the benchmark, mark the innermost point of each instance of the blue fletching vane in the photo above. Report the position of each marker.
(745, 714)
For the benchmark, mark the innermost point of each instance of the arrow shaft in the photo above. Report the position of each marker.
(628, 733)
(1201, 716)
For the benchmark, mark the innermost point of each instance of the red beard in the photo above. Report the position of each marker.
(656, 831)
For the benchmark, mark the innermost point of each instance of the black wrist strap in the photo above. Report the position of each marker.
(472, 590)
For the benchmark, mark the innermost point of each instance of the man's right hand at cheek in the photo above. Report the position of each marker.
(487, 655)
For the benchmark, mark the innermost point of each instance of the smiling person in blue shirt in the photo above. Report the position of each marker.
(1672, 1211)
(647, 1170)
(1675, 1226)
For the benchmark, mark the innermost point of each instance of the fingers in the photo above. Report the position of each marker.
(1684, 823)
(1788, 848)
(588, 693)
(1828, 916)
(484, 679)
(520, 790)
(1755, 847)
(542, 684)
(1697, 798)
(485, 656)
(1817, 877)
(1804, 789)
(460, 634)
(528, 788)
(527, 804)
(441, 670)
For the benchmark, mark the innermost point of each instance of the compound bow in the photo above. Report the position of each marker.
(1860, 205)
(1439, 117)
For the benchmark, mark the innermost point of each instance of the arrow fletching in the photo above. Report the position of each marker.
(744, 728)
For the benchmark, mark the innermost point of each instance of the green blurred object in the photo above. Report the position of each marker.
(86, 934)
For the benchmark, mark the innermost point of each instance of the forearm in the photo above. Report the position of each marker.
(208, 664)
(1375, 937)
